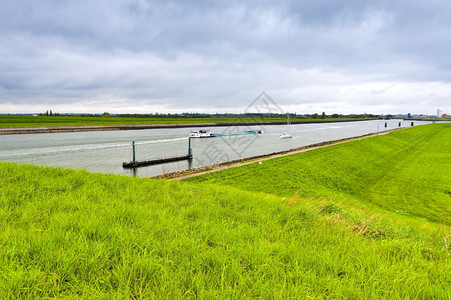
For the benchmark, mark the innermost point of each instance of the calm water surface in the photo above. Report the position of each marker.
(104, 151)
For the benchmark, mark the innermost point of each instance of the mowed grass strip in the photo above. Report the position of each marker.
(80, 235)
(407, 172)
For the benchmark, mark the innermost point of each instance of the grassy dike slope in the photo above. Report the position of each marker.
(407, 172)
(75, 234)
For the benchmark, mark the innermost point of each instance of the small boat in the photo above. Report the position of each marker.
(287, 135)
(253, 131)
(204, 133)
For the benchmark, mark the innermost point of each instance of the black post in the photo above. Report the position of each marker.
(190, 151)
(385, 124)
(133, 149)
(399, 124)
(411, 124)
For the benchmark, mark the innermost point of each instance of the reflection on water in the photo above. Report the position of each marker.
(104, 151)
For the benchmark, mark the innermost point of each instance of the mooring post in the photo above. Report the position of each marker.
(190, 151)
(385, 124)
(411, 124)
(399, 124)
(133, 150)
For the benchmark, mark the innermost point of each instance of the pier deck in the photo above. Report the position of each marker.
(135, 164)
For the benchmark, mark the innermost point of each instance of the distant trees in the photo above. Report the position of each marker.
(186, 115)
(49, 113)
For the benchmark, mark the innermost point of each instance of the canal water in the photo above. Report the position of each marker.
(104, 151)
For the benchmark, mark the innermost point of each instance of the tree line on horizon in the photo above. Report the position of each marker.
(323, 115)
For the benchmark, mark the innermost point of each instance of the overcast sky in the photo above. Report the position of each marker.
(140, 56)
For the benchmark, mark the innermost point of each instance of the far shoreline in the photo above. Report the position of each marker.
(61, 129)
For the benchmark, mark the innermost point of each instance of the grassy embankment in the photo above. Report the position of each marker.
(326, 223)
(47, 121)
(408, 172)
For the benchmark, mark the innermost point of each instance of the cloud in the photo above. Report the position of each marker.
(175, 56)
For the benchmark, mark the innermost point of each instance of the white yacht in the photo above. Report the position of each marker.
(287, 135)
(204, 133)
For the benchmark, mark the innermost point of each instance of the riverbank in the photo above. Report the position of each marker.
(412, 163)
(365, 219)
(180, 175)
(59, 129)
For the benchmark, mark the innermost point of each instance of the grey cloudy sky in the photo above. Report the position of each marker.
(140, 56)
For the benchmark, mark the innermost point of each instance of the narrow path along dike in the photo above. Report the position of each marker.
(255, 159)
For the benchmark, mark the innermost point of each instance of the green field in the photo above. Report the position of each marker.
(10, 121)
(366, 219)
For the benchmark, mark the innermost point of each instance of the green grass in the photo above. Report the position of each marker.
(73, 234)
(10, 121)
(408, 172)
